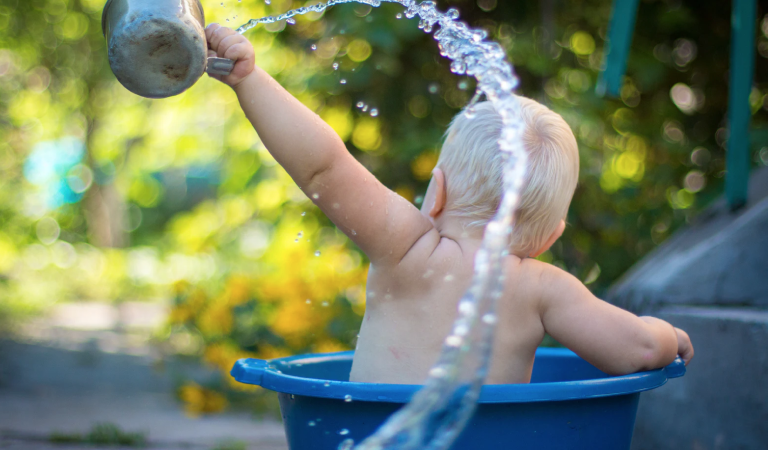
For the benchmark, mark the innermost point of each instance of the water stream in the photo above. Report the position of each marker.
(440, 410)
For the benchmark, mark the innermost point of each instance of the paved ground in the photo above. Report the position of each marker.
(64, 377)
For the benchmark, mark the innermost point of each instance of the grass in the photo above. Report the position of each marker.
(101, 434)
(231, 445)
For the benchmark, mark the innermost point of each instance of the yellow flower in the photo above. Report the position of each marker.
(238, 290)
(267, 351)
(330, 346)
(340, 119)
(224, 356)
(406, 192)
(189, 308)
(423, 164)
(199, 400)
(367, 134)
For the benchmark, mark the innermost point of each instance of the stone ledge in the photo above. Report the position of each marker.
(722, 401)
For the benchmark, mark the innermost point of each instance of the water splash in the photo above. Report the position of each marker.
(440, 411)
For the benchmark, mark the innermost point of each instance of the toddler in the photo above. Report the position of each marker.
(422, 260)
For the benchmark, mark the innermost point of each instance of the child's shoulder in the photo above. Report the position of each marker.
(529, 278)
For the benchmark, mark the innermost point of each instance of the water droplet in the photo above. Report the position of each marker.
(399, 16)
(347, 398)
(317, 253)
(296, 240)
(301, 233)
(374, 112)
(303, 214)
(463, 85)
(489, 319)
(344, 431)
(433, 88)
(326, 384)
(335, 66)
(315, 196)
(267, 2)
(313, 47)
(438, 372)
(290, 21)
(222, 3)
(365, 108)
(466, 307)
(309, 302)
(360, 105)
(311, 423)
(325, 304)
(448, 277)
(343, 81)
(453, 341)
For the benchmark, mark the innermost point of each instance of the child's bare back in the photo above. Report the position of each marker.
(422, 260)
(411, 308)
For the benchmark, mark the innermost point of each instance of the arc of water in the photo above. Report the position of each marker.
(441, 409)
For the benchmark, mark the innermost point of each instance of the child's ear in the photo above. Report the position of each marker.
(554, 237)
(439, 204)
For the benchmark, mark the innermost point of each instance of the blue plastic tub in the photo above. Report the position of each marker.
(569, 405)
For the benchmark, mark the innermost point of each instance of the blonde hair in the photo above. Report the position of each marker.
(472, 164)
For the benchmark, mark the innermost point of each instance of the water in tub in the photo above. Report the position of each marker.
(440, 410)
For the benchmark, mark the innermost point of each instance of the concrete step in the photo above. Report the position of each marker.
(722, 401)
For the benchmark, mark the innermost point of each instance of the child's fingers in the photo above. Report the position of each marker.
(239, 52)
(228, 42)
(687, 354)
(209, 32)
(218, 35)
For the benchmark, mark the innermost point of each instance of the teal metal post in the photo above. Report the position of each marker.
(620, 32)
(739, 113)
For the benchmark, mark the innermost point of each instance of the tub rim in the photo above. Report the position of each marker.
(267, 374)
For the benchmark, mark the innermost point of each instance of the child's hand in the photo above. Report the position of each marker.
(684, 346)
(226, 43)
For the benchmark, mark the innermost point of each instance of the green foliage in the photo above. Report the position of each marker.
(101, 434)
(233, 445)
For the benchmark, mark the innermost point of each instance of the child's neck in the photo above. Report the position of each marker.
(457, 229)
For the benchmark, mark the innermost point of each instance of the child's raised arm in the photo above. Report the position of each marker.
(610, 338)
(383, 224)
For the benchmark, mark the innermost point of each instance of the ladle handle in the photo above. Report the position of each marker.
(219, 66)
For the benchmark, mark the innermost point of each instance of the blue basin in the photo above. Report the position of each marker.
(569, 404)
